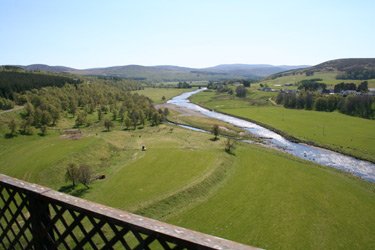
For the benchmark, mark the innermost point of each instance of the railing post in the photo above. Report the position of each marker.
(41, 227)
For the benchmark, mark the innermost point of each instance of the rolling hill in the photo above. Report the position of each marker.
(173, 73)
(348, 68)
(248, 70)
(44, 67)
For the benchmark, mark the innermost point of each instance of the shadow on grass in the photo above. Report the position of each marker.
(9, 136)
(77, 191)
(231, 152)
(214, 139)
(80, 192)
(66, 189)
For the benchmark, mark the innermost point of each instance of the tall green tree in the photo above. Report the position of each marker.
(72, 174)
(85, 175)
(108, 124)
(241, 91)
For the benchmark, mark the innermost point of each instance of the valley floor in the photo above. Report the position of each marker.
(347, 134)
(256, 196)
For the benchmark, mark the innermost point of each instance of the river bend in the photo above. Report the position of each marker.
(363, 169)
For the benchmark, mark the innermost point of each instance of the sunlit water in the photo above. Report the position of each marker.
(363, 169)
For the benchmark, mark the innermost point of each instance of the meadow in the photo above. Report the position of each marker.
(347, 134)
(156, 94)
(328, 78)
(276, 202)
(256, 196)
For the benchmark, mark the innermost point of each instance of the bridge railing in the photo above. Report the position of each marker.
(36, 217)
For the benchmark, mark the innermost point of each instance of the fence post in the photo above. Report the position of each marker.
(41, 227)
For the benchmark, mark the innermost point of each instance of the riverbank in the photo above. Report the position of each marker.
(255, 196)
(294, 139)
(336, 132)
(363, 169)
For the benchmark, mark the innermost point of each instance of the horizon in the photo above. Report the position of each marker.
(88, 34)
(164, 65)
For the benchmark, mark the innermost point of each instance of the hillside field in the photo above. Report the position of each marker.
(328, 78)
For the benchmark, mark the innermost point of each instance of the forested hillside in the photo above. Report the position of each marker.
(13, 80)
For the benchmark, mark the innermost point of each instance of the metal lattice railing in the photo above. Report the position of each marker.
(35, 217)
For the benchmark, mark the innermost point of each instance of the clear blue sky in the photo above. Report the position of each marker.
(200, 33)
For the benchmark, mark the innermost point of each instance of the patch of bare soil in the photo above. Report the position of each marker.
(72, 134)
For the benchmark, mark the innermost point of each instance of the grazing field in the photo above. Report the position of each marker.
(151, 175)
(139, 176)
(256, 196)
(348, 134)
(156, 94)
(327, 77)
(274, 202)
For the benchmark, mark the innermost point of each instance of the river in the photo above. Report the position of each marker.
(363, 169)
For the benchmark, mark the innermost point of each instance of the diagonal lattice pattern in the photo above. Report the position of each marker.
(15, 223)
(69, 229)
(74, 230)
(35, 217)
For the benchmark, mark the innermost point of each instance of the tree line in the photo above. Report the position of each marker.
(354, 105)
(312, 85)
(12, 81)
(315, 85)
(183, 85)
(357, 74)
(362, 87)
(224, 87)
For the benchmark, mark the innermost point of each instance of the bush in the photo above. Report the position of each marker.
(6, 104)
(229, 145)
(241, 91)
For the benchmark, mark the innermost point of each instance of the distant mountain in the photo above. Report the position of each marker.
(348, 68)
(173, 73)
(152, 73)
(248, 70)
(44, 67)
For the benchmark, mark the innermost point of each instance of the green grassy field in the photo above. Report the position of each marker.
(348, 134)
(275, 202)
(156, 94)
(175, 83)
(257, 196)
(327, 77)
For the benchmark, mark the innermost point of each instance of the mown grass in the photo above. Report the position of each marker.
(348, 134)
(30, 157)
(276, 202)
(140, 176)
(160, 171)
